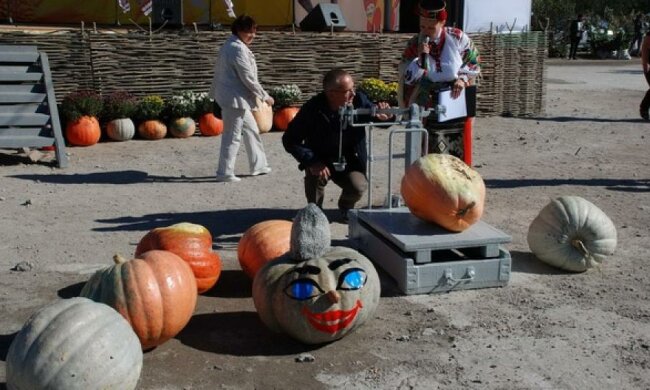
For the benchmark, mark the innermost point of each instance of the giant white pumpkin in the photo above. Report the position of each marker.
(74, 344)
(572, 233)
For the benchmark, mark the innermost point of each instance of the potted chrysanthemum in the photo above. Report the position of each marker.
(80, 110)
(148, 114)
(179, 109)
(117, 109)
(286, 98)
(209, 124)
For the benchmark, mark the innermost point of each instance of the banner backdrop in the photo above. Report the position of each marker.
(266, 13)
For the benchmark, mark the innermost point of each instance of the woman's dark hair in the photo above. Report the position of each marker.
(243, 23)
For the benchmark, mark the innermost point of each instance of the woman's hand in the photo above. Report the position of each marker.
(457, 88)
(269, 100)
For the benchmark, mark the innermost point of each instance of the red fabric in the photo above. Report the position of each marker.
(442, 15)
(467, 141)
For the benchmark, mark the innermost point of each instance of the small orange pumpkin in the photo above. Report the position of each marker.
(262, 243)
(283, 117)
(193, 243)
(152, 129)
(155, 292)
(210, 125)
(441, 188)
(85, 131)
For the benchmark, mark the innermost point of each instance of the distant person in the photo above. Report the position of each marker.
(235, 88)
(314, 140)
(645, 63)
(576, 30)
(637, 36)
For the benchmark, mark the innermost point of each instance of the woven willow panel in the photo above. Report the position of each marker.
(512, 80)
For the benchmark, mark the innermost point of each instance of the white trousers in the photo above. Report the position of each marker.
(238, 123)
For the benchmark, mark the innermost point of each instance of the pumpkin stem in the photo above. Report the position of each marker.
(580, 246)
(119, 259)
(462, 212)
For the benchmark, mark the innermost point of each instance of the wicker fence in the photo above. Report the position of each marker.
(512, 81)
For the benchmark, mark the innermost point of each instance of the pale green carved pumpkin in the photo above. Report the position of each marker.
(319, 299)
(573, 234)
(75, 344)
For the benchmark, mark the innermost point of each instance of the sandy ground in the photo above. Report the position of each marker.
(545, 330)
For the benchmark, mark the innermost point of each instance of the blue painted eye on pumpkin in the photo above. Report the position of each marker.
(303, 289)
(352, 279)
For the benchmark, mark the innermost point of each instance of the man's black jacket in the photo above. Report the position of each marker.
(313, 135)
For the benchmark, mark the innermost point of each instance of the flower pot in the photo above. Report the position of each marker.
(152, 129)
(210, 125)
(85, 131)
(283, 117)
(182, 127)
(121, 129)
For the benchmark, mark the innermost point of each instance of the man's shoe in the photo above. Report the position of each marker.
(644, 114)
(227, 178)
(262, 171)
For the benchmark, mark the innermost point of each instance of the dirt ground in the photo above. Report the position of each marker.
(546, 329)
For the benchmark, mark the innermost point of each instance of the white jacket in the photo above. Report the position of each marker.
(235, 83)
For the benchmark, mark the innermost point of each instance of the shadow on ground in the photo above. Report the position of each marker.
(624, 185)
(526, 262)
(225, 225)
(5, 342)
(237, 333)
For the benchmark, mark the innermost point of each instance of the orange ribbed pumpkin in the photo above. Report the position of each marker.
(210, 125)
(283, 116)
(441, 188)
(193, 243)
(152, 129)
(155, 292)
(85, 131)
(262, 243)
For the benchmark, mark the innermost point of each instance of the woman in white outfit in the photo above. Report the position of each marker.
(235, 88)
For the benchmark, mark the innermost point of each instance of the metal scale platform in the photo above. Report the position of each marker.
(420, 256)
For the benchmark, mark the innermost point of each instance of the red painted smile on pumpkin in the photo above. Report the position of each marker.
(332, 321)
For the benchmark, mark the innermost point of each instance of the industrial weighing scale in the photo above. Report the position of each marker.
(421, 256)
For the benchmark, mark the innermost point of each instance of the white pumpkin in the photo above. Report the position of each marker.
(120, 129)
(75, 344)
(573, 234)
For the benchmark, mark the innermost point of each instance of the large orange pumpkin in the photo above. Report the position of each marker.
(283, 116)
(155, 292)
(262, 243)
(210, 125)
(85, 131)
(193, 243)
(441, 188)
(152, 129)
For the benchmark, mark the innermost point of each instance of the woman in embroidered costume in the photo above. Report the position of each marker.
(438, 58)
